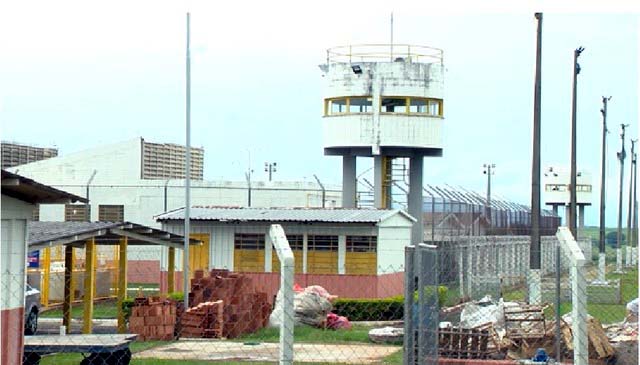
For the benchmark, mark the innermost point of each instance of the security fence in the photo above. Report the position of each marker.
(355, 291)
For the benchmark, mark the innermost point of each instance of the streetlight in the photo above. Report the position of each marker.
(621, 156)
(270, 167)
(572, 197)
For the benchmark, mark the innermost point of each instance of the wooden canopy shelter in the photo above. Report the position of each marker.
(87, 235)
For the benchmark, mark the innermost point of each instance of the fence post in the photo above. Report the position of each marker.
(409, 331)
(578, 297)
(279, 240)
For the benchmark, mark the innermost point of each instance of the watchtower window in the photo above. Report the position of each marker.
(336, 106)
(360, 105)
(418, 105)
(394, 105)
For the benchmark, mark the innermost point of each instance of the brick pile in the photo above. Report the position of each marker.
(244, 310)
(153, 319)
(203, 320)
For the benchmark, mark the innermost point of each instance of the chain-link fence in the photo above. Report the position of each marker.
(355, 291)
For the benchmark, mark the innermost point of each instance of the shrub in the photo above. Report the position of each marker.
(382, 309)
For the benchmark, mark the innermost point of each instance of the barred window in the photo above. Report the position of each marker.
(323, 243)
(248, 241)
(362, 243)
(111, 213)
(296, 242)
(77, 213)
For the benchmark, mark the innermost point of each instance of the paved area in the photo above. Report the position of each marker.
(238, 351)
(51, 326)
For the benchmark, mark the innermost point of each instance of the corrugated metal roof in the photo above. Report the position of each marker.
(46, 234)
(206, 213)
(31, 191)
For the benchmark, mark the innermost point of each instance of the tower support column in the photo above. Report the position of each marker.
(382, 188)
(349, 181)
(415, 200)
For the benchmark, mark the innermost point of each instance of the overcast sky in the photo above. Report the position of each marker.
(74, 75)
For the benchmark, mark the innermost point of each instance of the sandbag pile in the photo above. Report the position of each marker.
(312, 306)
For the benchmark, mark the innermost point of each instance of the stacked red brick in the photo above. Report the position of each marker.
(244, 309)
(153, 319)
(203, 320)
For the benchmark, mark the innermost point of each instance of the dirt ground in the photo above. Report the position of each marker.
(238, 351)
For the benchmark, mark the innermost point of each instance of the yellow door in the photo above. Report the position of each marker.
(199, 255)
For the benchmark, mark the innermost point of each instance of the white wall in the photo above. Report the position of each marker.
(15, 214)
(394, 234)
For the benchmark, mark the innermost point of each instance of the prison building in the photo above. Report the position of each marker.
(14, 154)
(324, 241)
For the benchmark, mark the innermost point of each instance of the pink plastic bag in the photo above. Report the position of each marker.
(336, 322)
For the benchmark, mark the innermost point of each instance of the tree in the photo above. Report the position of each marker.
(612, 238)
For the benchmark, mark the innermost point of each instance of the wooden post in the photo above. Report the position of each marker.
(122, 283)
(171, 281)
(89, 283)
(68, 288)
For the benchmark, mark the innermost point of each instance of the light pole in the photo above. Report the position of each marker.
(621, 156)
(630, 210)
(603, 170)
(572, 199)
(534, 280)
(634, 252)
(489, 170)
(270, 167)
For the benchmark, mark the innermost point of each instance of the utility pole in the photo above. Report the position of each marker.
(489, 170)
(270, 167)
(603, 170)
(634, 252)
(629, 243)
(535, 279)
(621, 156)
(573, 208)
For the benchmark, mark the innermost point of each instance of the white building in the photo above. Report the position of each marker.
(19, 196)
(111, 177)
(324, 241)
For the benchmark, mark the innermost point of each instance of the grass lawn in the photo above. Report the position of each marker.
(609, 313)
(301, 334)
(101, 310)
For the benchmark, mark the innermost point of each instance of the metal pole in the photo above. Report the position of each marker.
(489, 171)
(324, 192)
(87, 206)
(557, 304)
(603, 170)
(534, 250)
(573, 208)
(621, 156)
(165, 194)
(187, 185)
(630, 209)
(247, 175)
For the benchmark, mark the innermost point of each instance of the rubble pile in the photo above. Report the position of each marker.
(153, 319)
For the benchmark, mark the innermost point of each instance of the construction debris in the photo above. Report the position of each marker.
(204, 320)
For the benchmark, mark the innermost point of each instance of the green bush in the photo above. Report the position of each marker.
(383, 309)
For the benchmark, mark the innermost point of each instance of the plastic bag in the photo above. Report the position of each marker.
(336, 322)
(483, 311)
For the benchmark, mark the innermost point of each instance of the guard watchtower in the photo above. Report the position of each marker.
(384, 101)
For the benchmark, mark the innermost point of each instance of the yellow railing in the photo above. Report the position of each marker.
(384, 53)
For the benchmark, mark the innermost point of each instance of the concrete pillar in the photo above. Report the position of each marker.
(567, 213)
(580, 217)
(342, 253)
(555, 209)
(349, 181)
(381, 194)
(415, 202)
